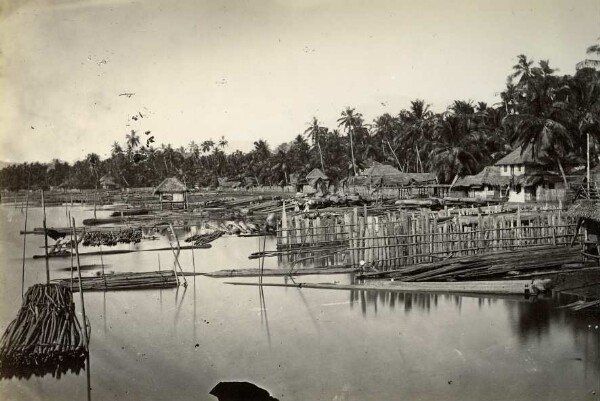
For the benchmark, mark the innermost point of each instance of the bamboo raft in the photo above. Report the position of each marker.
(45, 337)
(124, 281)
(281, 272)
(66, 254)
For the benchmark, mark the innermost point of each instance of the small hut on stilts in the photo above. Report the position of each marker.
(172, 194)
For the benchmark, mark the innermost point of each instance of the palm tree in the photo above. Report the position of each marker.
(418, 125)
(387, 128)
(207, 145)
(132, 139)
(314, 132)
(585, 102)
(523, 68)
(454, 149)
(223, 142)
(351, 121)
(540, 122)
(116, 148)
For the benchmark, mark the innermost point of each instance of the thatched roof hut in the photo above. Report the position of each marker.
(490, 175)
(384, 174)
(316, 175)
(108, 182)
(585, 209)
(170, 185)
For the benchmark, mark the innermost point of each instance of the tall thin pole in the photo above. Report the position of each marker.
(72, 245)
(588, 164)
(87, 342)
(45, 241)
(24, 242)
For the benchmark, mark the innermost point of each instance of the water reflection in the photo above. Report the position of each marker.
(530, 318)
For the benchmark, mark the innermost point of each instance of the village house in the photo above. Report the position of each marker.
(108, 182)
(389, 182)
(519, 177)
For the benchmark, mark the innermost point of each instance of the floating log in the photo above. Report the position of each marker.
(522, 287)
(120, 251)
(124, 281)
(281, 272)
(130, 212)
(45, 337)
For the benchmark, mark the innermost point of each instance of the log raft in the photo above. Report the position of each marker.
(520, 287)
(124, 281)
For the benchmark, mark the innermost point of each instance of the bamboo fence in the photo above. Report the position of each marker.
(403, 238)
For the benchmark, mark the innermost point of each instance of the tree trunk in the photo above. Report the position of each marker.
(562, 172)
(321, 155)
(352, 152)
(395, 157)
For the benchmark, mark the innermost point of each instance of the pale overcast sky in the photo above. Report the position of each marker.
(256, 69)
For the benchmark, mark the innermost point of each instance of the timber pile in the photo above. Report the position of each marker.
(124, 281)
(45, 337)
(202, 239)
(112, 238)
(497, 265)
(130, 212)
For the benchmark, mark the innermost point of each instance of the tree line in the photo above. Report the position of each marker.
(556, 114)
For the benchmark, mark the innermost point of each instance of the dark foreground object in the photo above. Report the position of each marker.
(45, 337)
(240, 391)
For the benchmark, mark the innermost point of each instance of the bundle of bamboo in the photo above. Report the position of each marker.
(124, 281)
(504, 264)
(202, 239)
(45, 337)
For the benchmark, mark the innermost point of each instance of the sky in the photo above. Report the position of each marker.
(261, 69)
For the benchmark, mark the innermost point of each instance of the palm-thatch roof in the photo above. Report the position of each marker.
(380, 170)
(490, 175)
(297, 179)
(384, 174)
(518, 157)
(585, 208)
(316, 174)
(170, 185)
(108, 180)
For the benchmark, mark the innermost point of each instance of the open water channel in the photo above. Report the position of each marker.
(301, 344)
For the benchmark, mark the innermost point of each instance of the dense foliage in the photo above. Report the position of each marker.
(554, 113)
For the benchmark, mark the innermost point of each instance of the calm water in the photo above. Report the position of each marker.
(307, 344)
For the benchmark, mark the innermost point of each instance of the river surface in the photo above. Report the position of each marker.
(299, 344)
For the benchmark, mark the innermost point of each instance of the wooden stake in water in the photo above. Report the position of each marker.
(85, 334)
(72, 245)
(24, 242)
(45, 241)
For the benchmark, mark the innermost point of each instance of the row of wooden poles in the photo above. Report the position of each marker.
(404, 238)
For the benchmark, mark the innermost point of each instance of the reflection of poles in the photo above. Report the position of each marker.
(177, 257)
(45, 241)
(24, 238)
(194, 327)
(179, 306)
(89, 378)
(160, 289)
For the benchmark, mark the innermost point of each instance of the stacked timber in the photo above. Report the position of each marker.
(202, 239)
(112, 238)
(45, 337)
(123, 281)
(497, 265)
